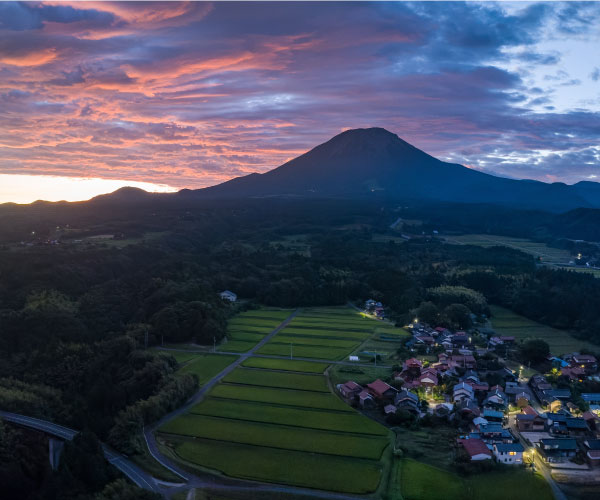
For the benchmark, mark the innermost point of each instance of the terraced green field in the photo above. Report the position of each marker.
(286, 365)
(295, 468)
(322, 333)
(286, 397)
(206, 366)
(278, 436)
(506, 322)
(300, 417)
(276, 420)
(266, 378)
(248, 328)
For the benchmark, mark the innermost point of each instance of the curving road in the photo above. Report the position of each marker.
(132, 471)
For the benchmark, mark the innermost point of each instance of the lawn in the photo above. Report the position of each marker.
(516, 484)
(278, 436)
(352, 422)
(423, 482)
(283, 466)
(206, 366)
(506, 322)
(341, 374)
(419, 481)
(286, 364)
(286, 397)
(267, 378)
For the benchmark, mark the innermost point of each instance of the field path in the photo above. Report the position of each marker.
(223, 483)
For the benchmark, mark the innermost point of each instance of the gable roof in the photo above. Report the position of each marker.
(476, 447)
(508, 447)
(379, 387)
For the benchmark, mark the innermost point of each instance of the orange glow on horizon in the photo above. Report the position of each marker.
(18, 188)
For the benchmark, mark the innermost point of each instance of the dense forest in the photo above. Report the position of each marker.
(78, 313)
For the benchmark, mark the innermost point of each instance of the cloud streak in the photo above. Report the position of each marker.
(190, 94)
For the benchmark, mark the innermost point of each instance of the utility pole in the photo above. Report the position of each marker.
(375, 359)
(214, 344)
(291, 351)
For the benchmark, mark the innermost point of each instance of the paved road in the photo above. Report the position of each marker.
(221, 483)
(273, 356)
(132, 471)
(541, 466)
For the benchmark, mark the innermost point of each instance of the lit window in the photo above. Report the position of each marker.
(512, 453)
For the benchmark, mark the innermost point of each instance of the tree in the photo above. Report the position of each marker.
(535, 350)
(459, 316)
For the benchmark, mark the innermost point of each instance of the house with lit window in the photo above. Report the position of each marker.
(509, 453)
(586, 361)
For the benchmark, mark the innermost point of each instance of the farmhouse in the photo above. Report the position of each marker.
(381, 391)
(509, 453)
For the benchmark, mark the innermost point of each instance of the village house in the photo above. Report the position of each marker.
(228, 295)
(586, 361)
(350, 390)
(407, 400)
(493, 432)
(557, 450)
(467, 408)
(573, 373)
(530, 423)
(496, 399)
(592, 451)
(476, 449)
(509, 453)
(591, 398)
(366, 400)
(462, 391)
(493, 415)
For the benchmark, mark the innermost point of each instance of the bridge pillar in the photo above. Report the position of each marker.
(55, 448)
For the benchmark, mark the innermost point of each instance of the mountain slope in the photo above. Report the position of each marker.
(374, 162)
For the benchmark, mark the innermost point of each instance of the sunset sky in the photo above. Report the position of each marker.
(176, 95)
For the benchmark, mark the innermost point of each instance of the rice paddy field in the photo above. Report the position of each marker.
(506, 322)
(248, 328)
(328, 333)
(206, 366)
(275, 420)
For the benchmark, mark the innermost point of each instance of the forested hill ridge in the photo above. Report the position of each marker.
(376, 163)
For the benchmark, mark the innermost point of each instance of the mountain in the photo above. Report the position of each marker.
(376, 163)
